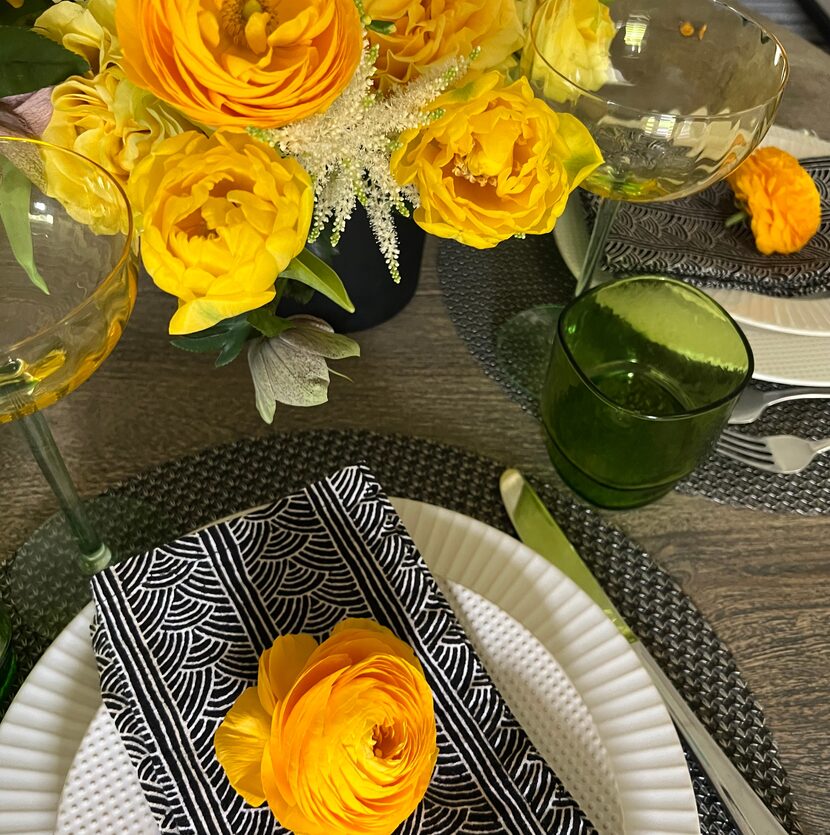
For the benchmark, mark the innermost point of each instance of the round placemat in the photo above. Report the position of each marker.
(177, 497)
(483, 289)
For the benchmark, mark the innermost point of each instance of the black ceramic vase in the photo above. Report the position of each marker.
(358, 262)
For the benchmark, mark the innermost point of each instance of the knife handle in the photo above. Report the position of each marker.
(748, 811)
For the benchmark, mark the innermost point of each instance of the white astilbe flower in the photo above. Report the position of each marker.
(346, 150)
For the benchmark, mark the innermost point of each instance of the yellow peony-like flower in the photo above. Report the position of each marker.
(87, 29)
(243, 63)
(498, 162)
(221, 217)
(339, 738)
(110, 120)
(781, 199)
(430, 31)
(574, 37)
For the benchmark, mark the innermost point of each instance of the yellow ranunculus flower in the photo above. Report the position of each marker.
(339, 738)
(242, 63)
(781, 198)
(221, 217)
(574, 37)
(87, 29)
(430, 31)
(110, 120)
(498, 162)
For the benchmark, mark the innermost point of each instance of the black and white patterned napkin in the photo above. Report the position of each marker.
(178, 632)
(687, 238)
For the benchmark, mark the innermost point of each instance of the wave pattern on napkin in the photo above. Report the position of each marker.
(687, 238)
(178, 632)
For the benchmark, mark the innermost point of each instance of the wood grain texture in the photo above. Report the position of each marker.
(762, 580)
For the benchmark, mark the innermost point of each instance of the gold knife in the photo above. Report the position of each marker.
(539, 531)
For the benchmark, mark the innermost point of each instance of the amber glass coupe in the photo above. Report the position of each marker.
(68, 276)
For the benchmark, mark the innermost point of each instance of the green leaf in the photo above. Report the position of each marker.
(310, 270)
(25, 15)
(29, 61)
(234, 342)
(267, 323)
(15, 190)
(300, 293)
(383, 27)
(227, 337)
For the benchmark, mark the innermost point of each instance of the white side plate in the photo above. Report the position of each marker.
(592, 712)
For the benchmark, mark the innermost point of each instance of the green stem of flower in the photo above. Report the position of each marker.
(280, 286)
(739, 217)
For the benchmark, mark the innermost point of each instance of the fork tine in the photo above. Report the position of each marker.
(746, 441)
(750, 452)
(747, 460)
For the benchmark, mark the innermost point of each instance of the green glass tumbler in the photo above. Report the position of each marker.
(643, 376)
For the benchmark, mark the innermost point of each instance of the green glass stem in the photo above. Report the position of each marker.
(603, 222)
(95, 555)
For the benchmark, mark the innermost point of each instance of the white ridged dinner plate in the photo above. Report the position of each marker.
(569, 676)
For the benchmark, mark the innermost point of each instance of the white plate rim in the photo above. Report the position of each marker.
(645, 754)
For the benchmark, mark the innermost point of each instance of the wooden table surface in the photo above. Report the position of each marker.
(762, 580)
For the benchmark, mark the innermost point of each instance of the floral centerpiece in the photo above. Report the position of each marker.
(245, 132)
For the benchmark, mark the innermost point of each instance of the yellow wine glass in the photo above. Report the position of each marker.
(676, 95)
(68, 274)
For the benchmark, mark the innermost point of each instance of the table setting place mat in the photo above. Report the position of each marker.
(187, 494)
(688, 239)
(178, 632)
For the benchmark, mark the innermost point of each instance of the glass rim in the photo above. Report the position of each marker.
(689, 413)
(120, 264)
(776, 96)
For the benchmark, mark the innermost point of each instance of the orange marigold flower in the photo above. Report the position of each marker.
(339, 738)
(781, 199)
(241, 63)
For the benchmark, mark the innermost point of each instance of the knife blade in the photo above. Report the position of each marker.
(538, 529)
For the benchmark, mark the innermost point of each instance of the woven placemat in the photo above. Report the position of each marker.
(483, 289)
(179, 496)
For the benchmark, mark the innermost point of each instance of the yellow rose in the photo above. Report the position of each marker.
(498, 162)
(110, 120)
(261, 63)
(574, 37)
(430, 31)
(87, 29)
(221, 217)
(339, 738)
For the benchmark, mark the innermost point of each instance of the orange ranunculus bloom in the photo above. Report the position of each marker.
(248, 63)
(781, 199)
(497, 162)
(430, 31)
(339, 738)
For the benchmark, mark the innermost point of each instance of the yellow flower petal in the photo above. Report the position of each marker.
(281, 665)
(240, 742)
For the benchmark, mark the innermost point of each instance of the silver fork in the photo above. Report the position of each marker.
(775, 454)
(752, 402)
